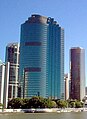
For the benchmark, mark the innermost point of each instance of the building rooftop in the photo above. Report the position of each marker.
(77, 48)
(10, 44)
(36, 18)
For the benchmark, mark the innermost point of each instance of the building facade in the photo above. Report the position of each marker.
(67, 86)
(4, 82)
(12, 56)
(2, 74)
(42, 58)
(86, 90)
(77, 71)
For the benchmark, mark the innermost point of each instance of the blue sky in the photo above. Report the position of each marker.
(70, 14)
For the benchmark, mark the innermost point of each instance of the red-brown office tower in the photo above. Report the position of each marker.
(77, 73)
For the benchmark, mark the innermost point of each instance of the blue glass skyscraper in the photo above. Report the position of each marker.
(42, 58)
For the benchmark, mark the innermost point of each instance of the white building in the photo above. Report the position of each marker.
(67, 86)
(4, 80)
(6, 84)
(2, 72)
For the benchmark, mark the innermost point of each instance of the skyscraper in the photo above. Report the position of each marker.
(77, 71)
(42, 58)
(12, 56)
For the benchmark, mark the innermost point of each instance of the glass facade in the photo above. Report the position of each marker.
(42, 58)
(55, 60)
(77, 68)
(12, 56)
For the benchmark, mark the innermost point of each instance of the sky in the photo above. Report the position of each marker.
(70, 14)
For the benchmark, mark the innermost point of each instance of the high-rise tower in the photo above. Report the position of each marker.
(42, 58)
(77, 71)
(12, 56)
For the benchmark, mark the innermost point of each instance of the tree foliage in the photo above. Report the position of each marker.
(78, 104)
(34, 102)
(15, 103)
(40, 102)
(62, 103)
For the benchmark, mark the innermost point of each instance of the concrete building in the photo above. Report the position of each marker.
(67, 86)
(12, 56)
(2, 74)
(4, 81)
(42, 58)
(77, 73)
(86, 90)
(6, 84)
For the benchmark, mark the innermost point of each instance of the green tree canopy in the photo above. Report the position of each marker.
(62, 103)
(15, 103)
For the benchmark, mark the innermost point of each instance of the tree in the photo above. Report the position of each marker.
(1, 105)
(15, 103)
(72, 104)
(61, 103)
(53, 104)
(25, 104)
(36, 102)
(39, 102)
(78, 104)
